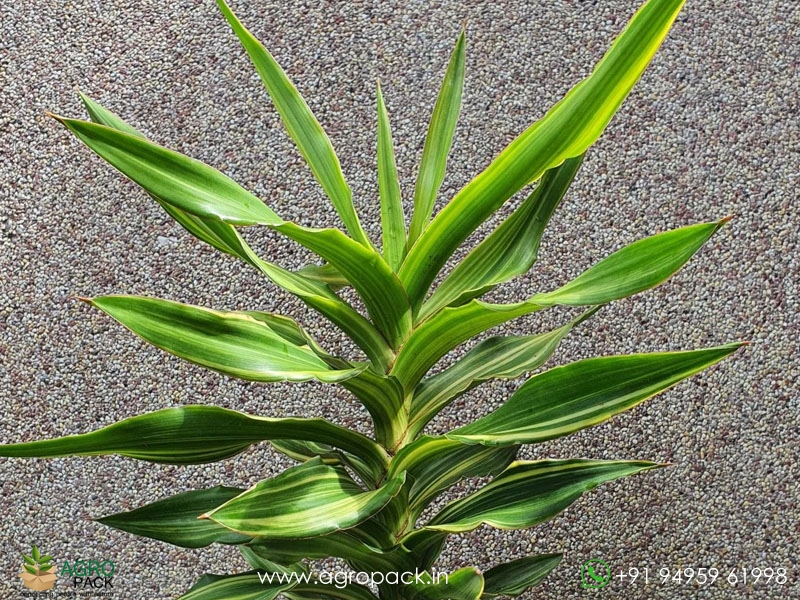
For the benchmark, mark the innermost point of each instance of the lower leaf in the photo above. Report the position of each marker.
(516, 577)
(174, 520)
(243, 586)
(530, 492)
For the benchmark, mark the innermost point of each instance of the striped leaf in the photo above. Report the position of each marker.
(434, 464)
(230, 342)
(392, 217)
(242, 586)
(530, 492)
(305, 284)
(218, 234)
(339, 544)
(570, 127)
(511, 249)
(569, 398)
(303, 451)
(367, 271)
(642, 265)
(383, 397)
(260, 563)
(463, 584)
(308, 500)
(193, 187)
(320, 297)
(174, 520)
(502, 357)
(302, 126)
(636, 267)
(438, 141)
(448, 329)
(326, 274)
(518, 576)
(323, 590)
(198, 434)
(178, 180)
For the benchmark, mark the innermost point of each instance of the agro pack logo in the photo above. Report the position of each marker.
(39, 574)
(89, 573)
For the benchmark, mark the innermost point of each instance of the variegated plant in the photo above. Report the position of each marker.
(360, 498)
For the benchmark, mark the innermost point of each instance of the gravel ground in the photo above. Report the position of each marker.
(711, 130)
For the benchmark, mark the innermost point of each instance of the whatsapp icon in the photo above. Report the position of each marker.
(595, 573)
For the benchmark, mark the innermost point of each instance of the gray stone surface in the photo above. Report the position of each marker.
(711, 130)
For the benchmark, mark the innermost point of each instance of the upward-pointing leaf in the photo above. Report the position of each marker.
(566, 131)
(233, 343)
(530, 492)
(218, 234)
(302, 126)
(500, 357)
(392, 217)
(636, 267)
(367, 271)
(438, 141)
(511, 249)
(308, 500)
(565, 399)
(183, 182)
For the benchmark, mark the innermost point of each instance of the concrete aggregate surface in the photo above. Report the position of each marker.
(711, 130)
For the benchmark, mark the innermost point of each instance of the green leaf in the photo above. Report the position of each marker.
(636, 267)
(308, 500)
(30, 570)
(45, 567)
(448, 329)
(339, 544)
(325, 591)
(464, 584)
(29, 559)
(392, 217)
(36, 554)
(383, 397)
(566, 131)
(641, 265)
(218, 234)
(242, 586)
(516, 577)
(367, 271)
(438, 141)
(200, 190)
(569, 398)
(320, 297)
(502, 357)
(45, 559)
(511, 249)
(434, 464)
(302, 127)
(529, 493)
(261, 563)
(198, 434)
(327, 274)
(230, 342)
(174, 520)
(305, 284)
(176, 179)
(303, 451)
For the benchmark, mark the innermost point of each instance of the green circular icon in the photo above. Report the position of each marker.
(595, 573)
